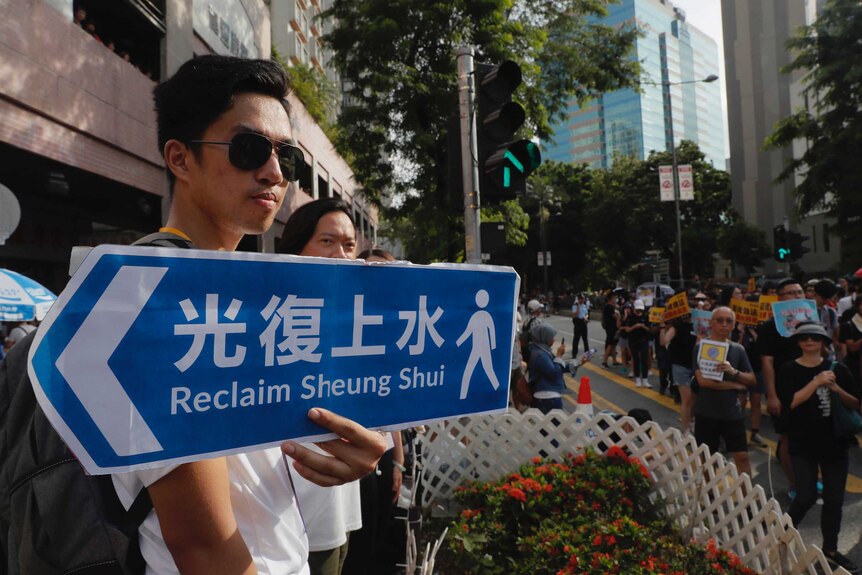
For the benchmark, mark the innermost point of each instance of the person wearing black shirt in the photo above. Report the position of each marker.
(679, 339)
(775, 351)
(746, 336)
(850, 335)
(638, 329)
(805, 393)
(611, 323)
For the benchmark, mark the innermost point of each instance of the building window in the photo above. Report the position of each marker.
(826, 246)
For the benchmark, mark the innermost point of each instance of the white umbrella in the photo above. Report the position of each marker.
(22, 299)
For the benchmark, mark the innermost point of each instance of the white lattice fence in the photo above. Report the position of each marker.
(701, 491)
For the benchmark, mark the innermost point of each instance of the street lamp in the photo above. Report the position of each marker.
(666, 90)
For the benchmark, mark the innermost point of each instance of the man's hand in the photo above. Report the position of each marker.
(355, 452)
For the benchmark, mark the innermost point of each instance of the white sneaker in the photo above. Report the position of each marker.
(638, 382)
(646, 383)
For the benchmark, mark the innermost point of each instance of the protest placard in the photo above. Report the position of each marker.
(746, 311)
(155, 356)
(789, 313)
(677, 306)
(656, 314)
(700, 322)
(709, 355)
(764, 306)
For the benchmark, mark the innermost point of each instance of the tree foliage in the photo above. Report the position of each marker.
(316, 92)
(610, 218)
(829, 52)
(399, 60)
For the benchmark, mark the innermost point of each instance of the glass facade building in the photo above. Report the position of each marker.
(635, 123)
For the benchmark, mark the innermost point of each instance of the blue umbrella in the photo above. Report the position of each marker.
(22, 299)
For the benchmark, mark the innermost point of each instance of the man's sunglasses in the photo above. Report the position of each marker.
(249, 151)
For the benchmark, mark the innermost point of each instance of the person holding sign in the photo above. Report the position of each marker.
(722, 371)
(775, 351)
(225, 132)
(810, 387)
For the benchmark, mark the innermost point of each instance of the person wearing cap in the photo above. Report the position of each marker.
(638, 328)
(580, 319)
(546, 368)
(717, 407)
(534, 309)
(807, 384)
(775, 351)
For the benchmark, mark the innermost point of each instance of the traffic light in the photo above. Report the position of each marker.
(504, 163)
(781, 249)
(795, 242)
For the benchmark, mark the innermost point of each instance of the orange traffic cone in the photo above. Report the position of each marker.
(585, 398)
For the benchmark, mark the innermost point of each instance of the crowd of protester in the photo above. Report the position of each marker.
(794, 375)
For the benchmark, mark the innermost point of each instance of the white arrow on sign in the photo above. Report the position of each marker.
(84, 362)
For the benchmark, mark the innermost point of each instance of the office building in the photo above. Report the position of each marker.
(758, 96)
(78, 138)
(635, 123)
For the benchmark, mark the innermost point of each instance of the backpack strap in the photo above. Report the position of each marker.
(165, 240)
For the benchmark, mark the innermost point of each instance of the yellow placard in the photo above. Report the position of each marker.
(677, 306)
(656, 314)
(752, 285)
(747, 312)
(764, 309)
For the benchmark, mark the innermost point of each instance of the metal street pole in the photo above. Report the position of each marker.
(675, 185)
(543, 240)
(676, 191)
(470, 169)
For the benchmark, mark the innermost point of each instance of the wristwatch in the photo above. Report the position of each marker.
(735, 374)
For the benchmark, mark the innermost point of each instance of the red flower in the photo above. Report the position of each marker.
(516, 493)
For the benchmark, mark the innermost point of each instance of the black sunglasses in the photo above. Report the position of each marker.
(249, 151)
(809, 337)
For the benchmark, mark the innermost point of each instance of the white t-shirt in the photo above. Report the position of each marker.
(329, 512)
(263, 504)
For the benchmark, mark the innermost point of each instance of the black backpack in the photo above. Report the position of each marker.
(54, 517)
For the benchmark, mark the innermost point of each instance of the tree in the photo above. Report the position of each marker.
(398, 58)
(746, 246)
(316, 92)
(830, 54)
(625, 217)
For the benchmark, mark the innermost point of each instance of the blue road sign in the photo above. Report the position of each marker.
(154, 355)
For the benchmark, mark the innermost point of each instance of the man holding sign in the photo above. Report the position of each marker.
(225, 134)
(775, 351)
(722, 371)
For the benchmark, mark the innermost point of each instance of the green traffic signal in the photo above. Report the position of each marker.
(504, 164)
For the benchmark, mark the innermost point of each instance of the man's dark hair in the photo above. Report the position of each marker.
(825, 288)
(787, 282)
(204, 88)
(301, 223)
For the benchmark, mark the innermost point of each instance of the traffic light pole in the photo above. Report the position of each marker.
(470, 174)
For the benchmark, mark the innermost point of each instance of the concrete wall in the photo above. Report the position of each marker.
(65, 96)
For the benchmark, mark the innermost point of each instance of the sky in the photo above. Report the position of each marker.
(705, 15)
